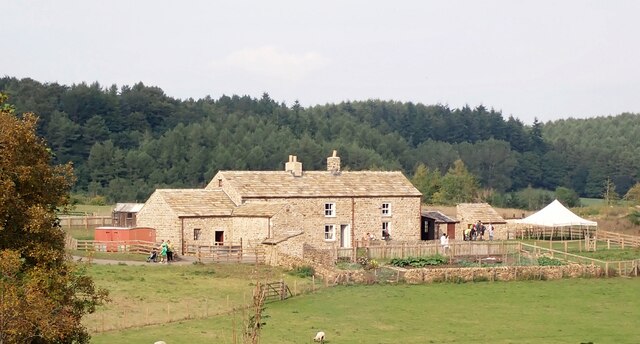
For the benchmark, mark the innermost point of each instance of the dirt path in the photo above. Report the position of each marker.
(182, 261)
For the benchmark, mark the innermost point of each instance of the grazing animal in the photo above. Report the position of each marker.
(319, 337)
(160, 342)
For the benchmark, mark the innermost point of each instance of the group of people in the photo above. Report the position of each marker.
(162, 254)
(477, 231)
(370, 237)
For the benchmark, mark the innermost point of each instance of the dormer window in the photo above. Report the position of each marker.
(329, 209)
(386, 209)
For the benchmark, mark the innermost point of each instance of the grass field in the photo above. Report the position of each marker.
(155, 293)
(564, 311)
(102, 210)
(615, 253)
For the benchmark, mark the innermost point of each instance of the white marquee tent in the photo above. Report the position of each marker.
(556, 215)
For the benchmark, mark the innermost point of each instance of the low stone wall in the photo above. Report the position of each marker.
(334, 276)
(501, 273)
(321, 256)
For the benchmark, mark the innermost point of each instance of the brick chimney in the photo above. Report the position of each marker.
(293, 166)
(333, 162)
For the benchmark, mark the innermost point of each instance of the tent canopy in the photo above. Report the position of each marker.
(556, 215)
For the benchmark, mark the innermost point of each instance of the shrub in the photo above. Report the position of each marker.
(302, 271)
(419, 262)
(548, 261)
(368, 264)
(634, 217)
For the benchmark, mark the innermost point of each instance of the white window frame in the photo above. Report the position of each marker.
(329, 209)
(329, 232)
(386, 209)
(386, 225)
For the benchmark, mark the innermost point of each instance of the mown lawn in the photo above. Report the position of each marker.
(565, 311)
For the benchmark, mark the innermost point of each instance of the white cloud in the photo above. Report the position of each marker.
(268, 61)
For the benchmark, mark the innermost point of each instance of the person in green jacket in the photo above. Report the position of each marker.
(163, 252)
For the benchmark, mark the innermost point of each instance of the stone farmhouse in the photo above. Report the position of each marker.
(289, 209)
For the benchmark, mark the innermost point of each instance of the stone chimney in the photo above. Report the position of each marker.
(293, 166)
(333, 162)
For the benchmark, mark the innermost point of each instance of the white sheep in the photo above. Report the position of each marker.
(319, 337)
(160, 342)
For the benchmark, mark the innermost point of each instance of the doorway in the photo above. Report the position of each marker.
(219, 238)
(345, 236)
(427, 229)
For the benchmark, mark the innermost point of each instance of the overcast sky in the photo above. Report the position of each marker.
(544, 59)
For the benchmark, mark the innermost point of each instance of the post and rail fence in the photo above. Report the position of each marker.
(618, 239)
(220, 253)
(227, 253)
(610, 268)
(391, 249)
(88, 221)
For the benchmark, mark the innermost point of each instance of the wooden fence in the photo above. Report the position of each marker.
(392, 249)
(85, 221)
(618, 239)
(126, 246)
(227, 253)
(216, 254)
(611, 268)
(274, 291)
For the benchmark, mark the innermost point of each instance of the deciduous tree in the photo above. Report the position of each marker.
(42, 295)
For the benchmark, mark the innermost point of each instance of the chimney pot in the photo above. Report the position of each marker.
(333, 162)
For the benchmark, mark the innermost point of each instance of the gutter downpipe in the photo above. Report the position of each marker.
(182, 235)
(353, 231)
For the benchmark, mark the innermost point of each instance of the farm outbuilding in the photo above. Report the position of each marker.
(121, 234)
(470, 213)
(434, 223)
(125, 214)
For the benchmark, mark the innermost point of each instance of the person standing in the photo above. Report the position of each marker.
(444, 242)
(169, 251)
(490, 231)
(163, 253)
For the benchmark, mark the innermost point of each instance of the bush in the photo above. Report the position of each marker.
(302, 271)
(548, 261)
(419, 262)
(634, 217)
(368, 264)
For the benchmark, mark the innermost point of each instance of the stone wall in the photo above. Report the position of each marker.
(208, 226)
(362, 215)
(334, 276)
(219, 182)
(252, 230)
(157, 214)
(502, 273)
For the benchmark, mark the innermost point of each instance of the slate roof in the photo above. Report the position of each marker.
(439, 217)
(472, 212)
(282, 184)
(197, 202)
